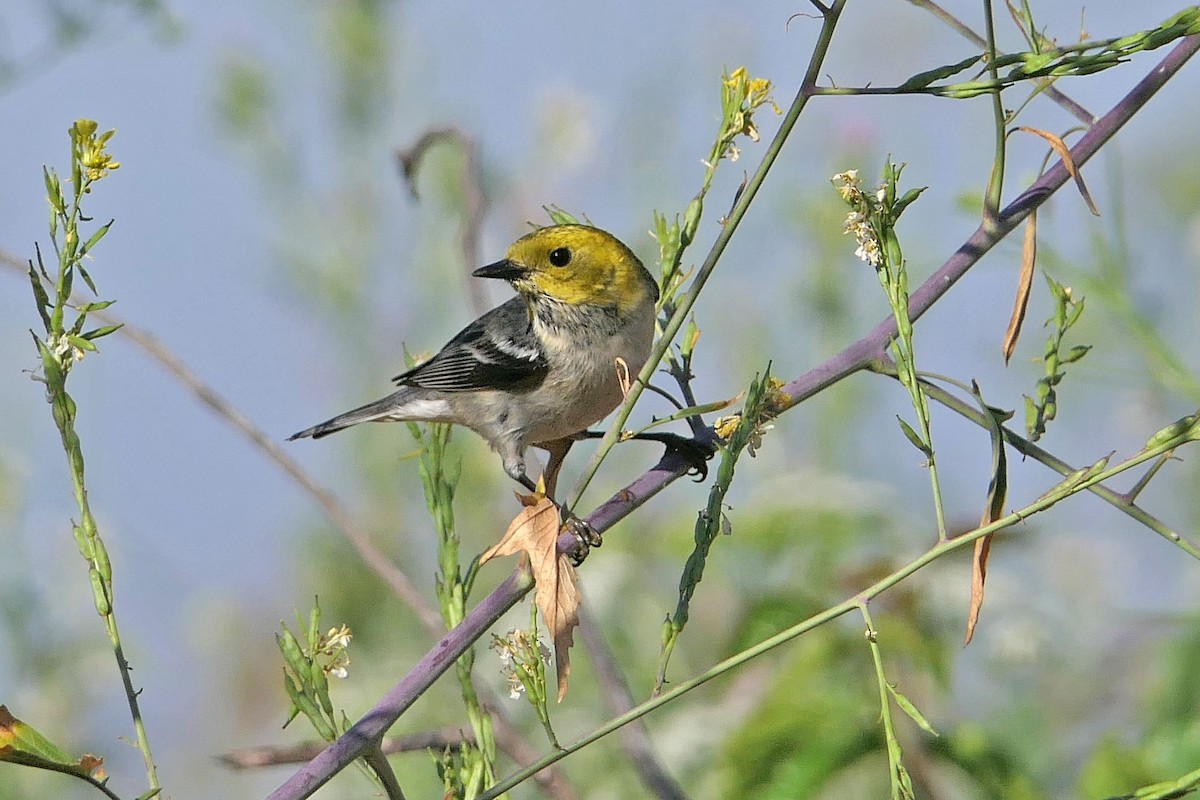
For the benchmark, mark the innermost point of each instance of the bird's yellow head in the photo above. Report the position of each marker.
(575, 264)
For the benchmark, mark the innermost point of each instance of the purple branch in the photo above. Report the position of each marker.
(859, 355)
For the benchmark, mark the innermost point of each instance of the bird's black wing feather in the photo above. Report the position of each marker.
(496, 351)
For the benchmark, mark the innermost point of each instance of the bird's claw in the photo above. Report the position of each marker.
(696, 451)
(586, 537)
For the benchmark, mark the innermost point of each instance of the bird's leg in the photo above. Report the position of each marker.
(514, 465)
(585, 535)
(557, 451)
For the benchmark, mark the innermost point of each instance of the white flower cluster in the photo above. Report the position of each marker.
(857, 221)
(519, 653)
(332, 647)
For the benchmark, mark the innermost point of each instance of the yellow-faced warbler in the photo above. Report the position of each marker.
(542, 367)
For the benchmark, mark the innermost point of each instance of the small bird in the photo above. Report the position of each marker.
(542, 367)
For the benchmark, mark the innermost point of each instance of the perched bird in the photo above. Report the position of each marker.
(542, 367)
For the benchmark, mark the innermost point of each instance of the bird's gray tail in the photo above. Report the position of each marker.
(380, 409)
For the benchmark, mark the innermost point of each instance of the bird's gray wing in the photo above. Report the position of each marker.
(497, 351)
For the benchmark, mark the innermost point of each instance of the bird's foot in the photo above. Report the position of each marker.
(586, 537)
(698, 452)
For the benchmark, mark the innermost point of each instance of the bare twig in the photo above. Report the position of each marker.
(410, 160)
(272, 755)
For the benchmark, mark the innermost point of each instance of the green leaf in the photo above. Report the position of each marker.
(561, 217)
(293, 656)
(86, 278)
(907, 707)
(314, 625)
(923, 79)
(81, 343)
(40, 297)
(95, 238)
(1075, 353)
(53, 190)
(914, 437)
(905, 201)
(691, 220)
(1076, 311)
(321, 689)
(21, 744)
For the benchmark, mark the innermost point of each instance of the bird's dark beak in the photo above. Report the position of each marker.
(506, 270)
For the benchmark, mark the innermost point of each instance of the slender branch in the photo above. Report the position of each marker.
(1123, 502)
(995, 188)
(896, 771)
(275, 755)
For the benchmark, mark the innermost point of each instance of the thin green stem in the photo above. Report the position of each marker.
(439, 479)
(995, 187)
(382, 768)
(58, 353)
(737, 212)
(896, 772)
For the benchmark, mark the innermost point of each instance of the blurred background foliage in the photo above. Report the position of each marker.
(269, 239)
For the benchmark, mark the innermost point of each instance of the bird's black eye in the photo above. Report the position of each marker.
(560, 257)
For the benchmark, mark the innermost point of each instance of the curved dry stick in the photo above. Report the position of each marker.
(276, 755)
(474, 200)
(672, 466)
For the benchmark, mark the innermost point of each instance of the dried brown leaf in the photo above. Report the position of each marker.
(1024, 285)
(1064, 152)
(534, 535)
(983, 546)
(997, 494)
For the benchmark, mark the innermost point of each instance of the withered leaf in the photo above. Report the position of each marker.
(1064, 153)
(534, 535)
(993, 510)
(1024, 284)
